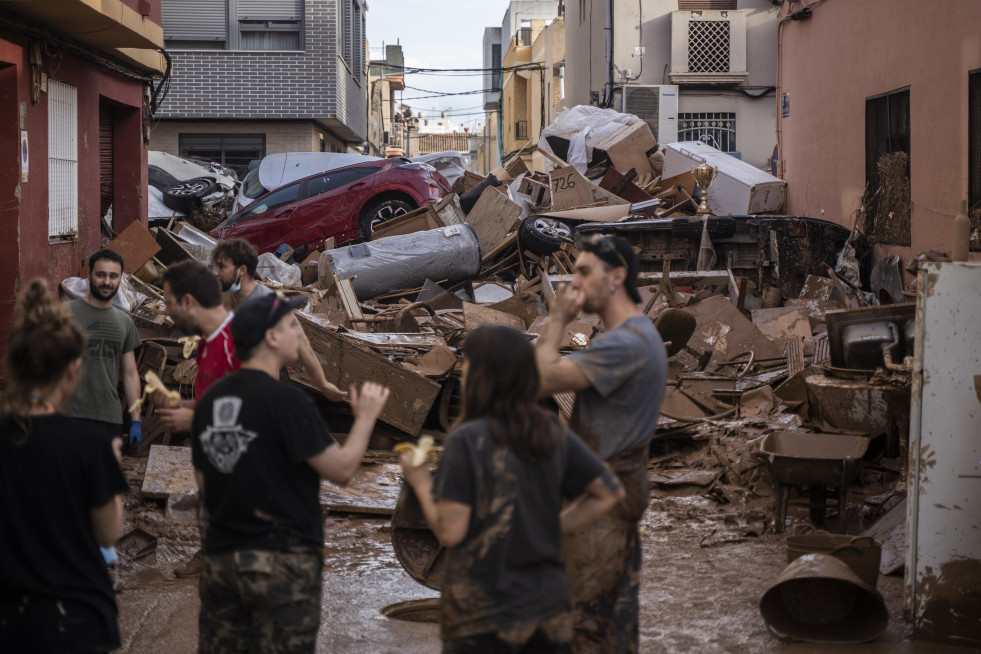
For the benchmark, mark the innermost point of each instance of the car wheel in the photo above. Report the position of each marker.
(543, 235)
(160, 178)
(186, 195)
(378, 212)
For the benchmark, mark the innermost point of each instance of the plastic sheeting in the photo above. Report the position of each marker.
(127, 298)
(287, 274)
(406, 261)
(450, 164)
(583, 126)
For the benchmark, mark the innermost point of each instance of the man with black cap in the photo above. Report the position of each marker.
(619, 381)
(260, 447)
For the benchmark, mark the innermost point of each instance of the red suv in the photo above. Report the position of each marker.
(346, 203)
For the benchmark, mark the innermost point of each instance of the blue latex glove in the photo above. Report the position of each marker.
(136, 434)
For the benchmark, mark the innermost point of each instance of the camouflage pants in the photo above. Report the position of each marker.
(550, 636)
(604, 563)
(260, 601)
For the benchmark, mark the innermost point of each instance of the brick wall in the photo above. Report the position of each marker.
(313, 84)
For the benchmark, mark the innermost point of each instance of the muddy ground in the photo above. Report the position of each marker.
(705, 567)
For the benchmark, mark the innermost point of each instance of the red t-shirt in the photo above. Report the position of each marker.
(216, 358)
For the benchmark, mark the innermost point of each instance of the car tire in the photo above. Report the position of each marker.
(375, 213)
(160, 178)
(719, 227)
(543, 235)
(187, 195)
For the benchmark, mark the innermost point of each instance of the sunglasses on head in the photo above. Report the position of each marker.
(602, 244)
(278, 299)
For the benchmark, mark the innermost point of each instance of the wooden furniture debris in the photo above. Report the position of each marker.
(492, 217)
(168, 472)
(347, 364)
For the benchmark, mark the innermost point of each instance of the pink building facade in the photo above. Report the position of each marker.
(856, 79)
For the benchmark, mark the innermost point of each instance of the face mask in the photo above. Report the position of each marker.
(236, 285)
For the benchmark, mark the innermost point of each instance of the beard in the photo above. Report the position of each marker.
(103, 293)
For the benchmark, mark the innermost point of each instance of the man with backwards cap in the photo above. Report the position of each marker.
(260, 447)
(619, 381)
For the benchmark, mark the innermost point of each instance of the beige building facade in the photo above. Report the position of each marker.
(720, 54)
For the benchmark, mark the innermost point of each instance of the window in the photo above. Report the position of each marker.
(974, 156)
(335, 180)
(62, 161)
(706, 5)
(233, 24)
(715, 129)
(496, 66)
(274, 200)
(232, 150)
(887, 152)
(352, 32)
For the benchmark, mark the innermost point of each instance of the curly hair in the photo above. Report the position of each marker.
(239, 251)
(45, 340)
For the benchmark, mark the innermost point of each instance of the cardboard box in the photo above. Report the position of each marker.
(739, 188)
(627, 148)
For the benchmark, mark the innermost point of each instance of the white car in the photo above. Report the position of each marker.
(184, 185)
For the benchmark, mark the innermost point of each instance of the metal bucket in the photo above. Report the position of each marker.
(817, 598)
(861, 553)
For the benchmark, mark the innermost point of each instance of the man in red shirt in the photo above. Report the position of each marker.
(193, 301)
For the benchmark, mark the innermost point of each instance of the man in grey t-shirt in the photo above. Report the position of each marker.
(619, 381)
(112, 340)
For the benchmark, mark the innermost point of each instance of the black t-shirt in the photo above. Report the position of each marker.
(509, 570)
(252, 437)
(48, 485)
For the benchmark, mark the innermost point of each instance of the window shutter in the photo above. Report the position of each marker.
(62, 160)
(270, 9)
(194, 20)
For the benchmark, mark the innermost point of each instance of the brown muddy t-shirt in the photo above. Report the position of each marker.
(508, 571)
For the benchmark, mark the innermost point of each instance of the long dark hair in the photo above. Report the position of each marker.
(502, 383)
(45, 340)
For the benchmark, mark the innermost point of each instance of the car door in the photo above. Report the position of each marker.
(266, 223)
(332, 202)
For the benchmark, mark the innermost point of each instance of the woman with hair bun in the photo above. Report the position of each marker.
(60, 492)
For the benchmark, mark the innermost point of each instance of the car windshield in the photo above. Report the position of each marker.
(252, 188)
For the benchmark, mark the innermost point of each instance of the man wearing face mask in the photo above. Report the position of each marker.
(234, 263)
(112, 338)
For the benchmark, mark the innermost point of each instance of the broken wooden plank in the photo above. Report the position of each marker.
(168, 472)
(475, 315)
(435, 363)
(682, 277)
(135, 245)
(492, 217)
(348, 364)
(374, 490)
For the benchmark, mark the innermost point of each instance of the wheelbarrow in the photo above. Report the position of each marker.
(818, 461)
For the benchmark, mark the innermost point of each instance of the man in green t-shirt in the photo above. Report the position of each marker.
(112, 340)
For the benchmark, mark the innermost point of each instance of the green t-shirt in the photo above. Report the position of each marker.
(111, 335)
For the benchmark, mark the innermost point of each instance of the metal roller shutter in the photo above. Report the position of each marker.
(270, 9)
(195, 20)
(105, 158)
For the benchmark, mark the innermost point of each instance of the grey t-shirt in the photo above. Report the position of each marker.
(627, 368)
(111, 335)
(257, 292)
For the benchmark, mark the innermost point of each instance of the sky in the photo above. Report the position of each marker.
(437, 34)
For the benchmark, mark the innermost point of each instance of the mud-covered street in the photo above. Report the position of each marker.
(705, 568)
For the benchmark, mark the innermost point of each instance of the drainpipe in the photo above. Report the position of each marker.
(608, 92)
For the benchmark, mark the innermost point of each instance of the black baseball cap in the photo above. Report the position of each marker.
(255, 317)
(617, 252)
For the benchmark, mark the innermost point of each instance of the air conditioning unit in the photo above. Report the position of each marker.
(655, 104)
(708, 47)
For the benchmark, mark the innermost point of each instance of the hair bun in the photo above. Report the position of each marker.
(37, 308)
